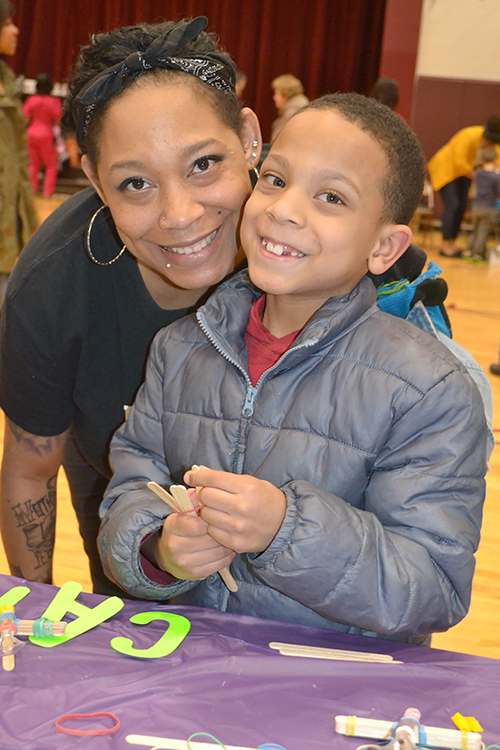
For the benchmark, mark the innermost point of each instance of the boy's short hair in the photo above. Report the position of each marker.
(486, 155)
(403, 183)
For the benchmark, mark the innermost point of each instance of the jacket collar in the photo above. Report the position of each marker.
(224, 318)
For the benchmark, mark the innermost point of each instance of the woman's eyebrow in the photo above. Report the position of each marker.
(127, 165)
(187, 152)
(200, 145)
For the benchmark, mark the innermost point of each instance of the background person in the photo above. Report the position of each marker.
(288, 98)
(386, 91)
(168, 153)
(241, 82)
(451, 173)
(486, 195)
(43, 112)
(18, 218)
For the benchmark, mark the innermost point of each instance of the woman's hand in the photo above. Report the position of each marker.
(242, 513)
(186, 551)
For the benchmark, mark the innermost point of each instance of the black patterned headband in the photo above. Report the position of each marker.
(210, 68)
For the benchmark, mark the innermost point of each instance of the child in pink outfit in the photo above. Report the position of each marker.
(43, 111)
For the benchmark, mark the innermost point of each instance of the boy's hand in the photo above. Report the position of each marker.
(186, 551)
(243, 513)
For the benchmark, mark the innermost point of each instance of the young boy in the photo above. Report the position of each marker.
(346, 447)
(487, 193)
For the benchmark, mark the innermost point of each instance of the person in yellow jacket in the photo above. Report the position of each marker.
(451, 172)
(18, 218)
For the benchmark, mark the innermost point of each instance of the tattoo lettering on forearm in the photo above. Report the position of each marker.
(34, 443)
(37, 520)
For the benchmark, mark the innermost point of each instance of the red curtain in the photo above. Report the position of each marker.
(331, 45)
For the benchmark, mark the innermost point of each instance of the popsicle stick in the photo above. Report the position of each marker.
(382, 730)
(167, 744)
(332, 657)
(181, 497)
(25, 627)
(332, 652)
(228, 579)
(171, 500)
(8, 660)
(163, 495)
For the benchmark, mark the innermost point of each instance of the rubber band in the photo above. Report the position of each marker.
(203, 734)
(7, 616)
(87, 732)
(464, 739)
(270, 746)
(42, 628)
(8, 626)
(350, 726)
(191, 510)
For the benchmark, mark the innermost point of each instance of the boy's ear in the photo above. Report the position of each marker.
(392, 244)
(91, 176)
(250, 134)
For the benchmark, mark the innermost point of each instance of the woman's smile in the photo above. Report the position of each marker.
(189, 249)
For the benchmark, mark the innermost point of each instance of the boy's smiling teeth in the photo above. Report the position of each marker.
(189, 249)
(277, 249)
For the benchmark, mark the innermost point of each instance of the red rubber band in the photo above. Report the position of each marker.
(86, 732)
(183, 512)
(8, 625)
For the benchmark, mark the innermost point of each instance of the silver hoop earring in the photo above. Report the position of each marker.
(87, 244)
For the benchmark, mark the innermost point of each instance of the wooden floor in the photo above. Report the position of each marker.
(474, 307)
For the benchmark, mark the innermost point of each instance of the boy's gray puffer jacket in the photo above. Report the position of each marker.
(371, 428)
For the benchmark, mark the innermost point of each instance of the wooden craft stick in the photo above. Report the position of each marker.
(333, 657)
(382, 730)
(166, 744)
(25, 627)
(181, 497)
(293, 649)
(162, 494)
(8, 660)
(180, 502)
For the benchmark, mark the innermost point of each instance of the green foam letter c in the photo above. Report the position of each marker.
(172, 638)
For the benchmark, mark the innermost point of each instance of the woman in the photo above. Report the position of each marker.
(18, 218)
(168, 153)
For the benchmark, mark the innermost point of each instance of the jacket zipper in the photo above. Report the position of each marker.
(251, 392)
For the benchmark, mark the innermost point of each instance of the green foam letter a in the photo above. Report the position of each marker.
(86, 617)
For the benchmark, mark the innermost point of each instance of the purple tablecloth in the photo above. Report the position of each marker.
(223, 679)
